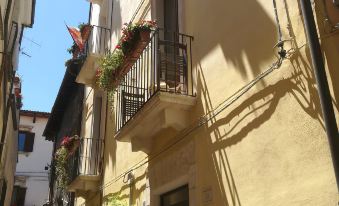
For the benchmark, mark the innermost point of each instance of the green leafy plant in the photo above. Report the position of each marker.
(110, 63)
(67, 147)
(113, 200)
(130, 34)
(61, 167)
(74, 48)
(108, 66)
(19, 103)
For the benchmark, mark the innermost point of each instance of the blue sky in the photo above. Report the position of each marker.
(42, 73)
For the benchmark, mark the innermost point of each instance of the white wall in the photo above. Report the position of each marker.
(32, 165)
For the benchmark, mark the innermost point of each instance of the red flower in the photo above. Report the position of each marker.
(65, 141)
(118, 46)
(98, 73)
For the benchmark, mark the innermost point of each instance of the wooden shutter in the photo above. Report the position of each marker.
(21, 195)
(29, 142)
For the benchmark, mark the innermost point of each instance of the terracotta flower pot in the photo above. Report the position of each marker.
(134, 54)
(17, 91)
(145, 36)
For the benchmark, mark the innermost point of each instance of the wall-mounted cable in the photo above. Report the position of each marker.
(199, 122)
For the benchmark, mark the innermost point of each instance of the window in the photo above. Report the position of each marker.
(177, 197)
(25, 141)
(18, 196)
(171, 22)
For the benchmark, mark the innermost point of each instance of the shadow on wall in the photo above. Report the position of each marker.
(110, 155)
(124, 193)
(251, 113)
(240, 28)
(116, 20)
(110, 152)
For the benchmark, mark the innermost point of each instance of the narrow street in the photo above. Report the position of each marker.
(169, 103)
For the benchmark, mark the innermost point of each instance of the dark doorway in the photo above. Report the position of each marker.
(177, 197)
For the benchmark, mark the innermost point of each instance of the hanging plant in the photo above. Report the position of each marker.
(131, 34)
(67, 148)
(106, 72)
(18, 98)
(111, 64)
(74, 49)
(61, 156)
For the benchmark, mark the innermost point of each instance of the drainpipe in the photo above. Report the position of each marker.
(323, 88)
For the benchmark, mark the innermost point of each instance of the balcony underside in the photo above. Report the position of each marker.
(87, 72)
(163, 110)
(97, 46)
(83, 183)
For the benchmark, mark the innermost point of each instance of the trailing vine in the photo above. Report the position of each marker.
(113, 200)
(67, 148)
(109, 65)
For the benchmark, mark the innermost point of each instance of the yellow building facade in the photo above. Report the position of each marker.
(241, 124)
(15, 16)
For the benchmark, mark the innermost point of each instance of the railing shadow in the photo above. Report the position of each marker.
(250, 114)
(237, 34)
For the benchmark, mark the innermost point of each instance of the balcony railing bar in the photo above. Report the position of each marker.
(164, 65)
(87, 158)
(98, 41)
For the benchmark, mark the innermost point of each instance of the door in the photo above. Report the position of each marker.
(173, 51)
(177, 197)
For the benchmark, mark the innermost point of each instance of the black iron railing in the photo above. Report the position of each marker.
(164, 65)
(87, 158)
(99, 41)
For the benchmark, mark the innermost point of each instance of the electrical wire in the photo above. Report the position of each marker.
(200, 121)
(217, 110)
(277, 20)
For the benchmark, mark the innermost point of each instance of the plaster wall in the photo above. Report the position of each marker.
(267, 148)
(113, 163)
(9, 159)
(32, 165)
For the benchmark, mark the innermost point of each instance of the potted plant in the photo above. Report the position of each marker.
(18, 98)
(61, 167)
(114, 66)
(67, 148)
(74, 50)
(135, 36)
(71, 144)
(108, 66)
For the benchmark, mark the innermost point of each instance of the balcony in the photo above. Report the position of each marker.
(157, 92)
(98, 44)
(85, 166)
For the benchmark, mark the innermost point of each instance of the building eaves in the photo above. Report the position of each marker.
(66, 92)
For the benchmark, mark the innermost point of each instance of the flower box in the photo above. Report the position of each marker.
(133, 55)
(114, 66)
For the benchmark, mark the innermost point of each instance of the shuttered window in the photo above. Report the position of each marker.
(18, 196)
(26, 141)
